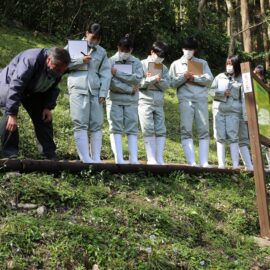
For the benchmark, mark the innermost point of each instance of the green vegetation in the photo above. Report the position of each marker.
(131, 222)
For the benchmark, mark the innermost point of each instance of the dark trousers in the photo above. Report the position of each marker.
(44, 131)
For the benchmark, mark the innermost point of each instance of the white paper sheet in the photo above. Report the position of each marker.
(76, 47)
(223, 85)
(126, 68)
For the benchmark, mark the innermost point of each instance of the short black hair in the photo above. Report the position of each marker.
(59, 55)
(160, 49)
(235, 59)
(190, 43)
(95, 29)
(126, 42)
(260, 69)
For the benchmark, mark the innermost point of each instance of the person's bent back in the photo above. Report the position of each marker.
(31, 79)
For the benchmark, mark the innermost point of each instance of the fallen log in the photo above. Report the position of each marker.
(47, 166)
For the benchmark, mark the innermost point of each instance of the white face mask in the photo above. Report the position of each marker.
(188, 54)
(229, 69)
(124, 56)
(91, 44)
(156, 59)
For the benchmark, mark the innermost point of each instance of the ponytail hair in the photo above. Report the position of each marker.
(259, 70)
(126, 42)
(95, 29)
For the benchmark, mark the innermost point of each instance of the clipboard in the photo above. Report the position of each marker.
(154, 69)
(76, 48)
(195, 67)
(125, 68)
(223, 85)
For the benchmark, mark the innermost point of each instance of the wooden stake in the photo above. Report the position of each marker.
(255, 144)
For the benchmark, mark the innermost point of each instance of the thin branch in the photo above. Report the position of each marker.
(252, 26)
(75, 16)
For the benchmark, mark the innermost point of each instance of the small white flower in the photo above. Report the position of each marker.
(202, 262)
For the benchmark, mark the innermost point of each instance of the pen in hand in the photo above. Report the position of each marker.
(86, 58)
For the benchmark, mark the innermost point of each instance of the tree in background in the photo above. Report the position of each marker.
(222, 27)
(247, 41)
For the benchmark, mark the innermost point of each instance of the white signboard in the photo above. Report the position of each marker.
(247, 83)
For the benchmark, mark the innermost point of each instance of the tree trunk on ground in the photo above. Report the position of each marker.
(27, 166)
(245, 26)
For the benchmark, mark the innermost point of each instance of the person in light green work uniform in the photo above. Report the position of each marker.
(192, 93)
(227, 92)
(122, 101)
(244, 137)
(151, 100)
(88, 89)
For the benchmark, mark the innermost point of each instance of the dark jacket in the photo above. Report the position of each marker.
(19, 78)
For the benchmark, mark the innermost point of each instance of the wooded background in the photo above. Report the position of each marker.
(222, 27)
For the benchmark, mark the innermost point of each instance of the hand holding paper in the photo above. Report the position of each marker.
(113, 70)
(158, 77)
(135, 89)
(151, 78)
(189, 76)
(227, 93)
(86, 59)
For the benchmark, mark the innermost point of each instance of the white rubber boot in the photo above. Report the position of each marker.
(245, 155)
(268, 157)
(96, 143)
(234, 155)
(81, 141)
(160, 144)
(39, 147)
(203, 152)
(150, 147)
(189, 151)
(116, 144)
(221, 155)
(133, 149)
